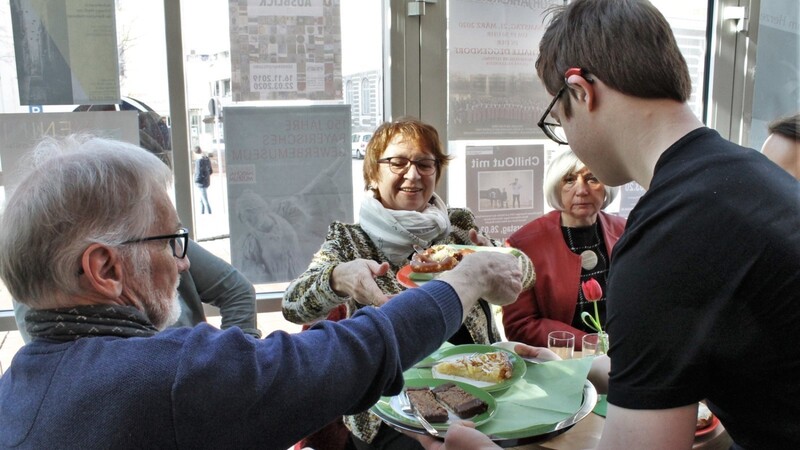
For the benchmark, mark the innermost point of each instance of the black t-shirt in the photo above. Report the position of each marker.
(704, 292)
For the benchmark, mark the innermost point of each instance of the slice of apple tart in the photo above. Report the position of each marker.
(493, 367)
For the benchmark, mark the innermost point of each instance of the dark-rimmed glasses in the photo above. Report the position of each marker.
(400, 165)
(178, 241)
(553, 130)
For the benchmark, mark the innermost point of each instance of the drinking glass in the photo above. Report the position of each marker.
(595, 344)
(562, 343)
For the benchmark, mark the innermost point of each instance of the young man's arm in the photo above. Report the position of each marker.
(653, 429)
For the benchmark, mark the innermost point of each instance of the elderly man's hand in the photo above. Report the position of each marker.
(493, 276)
(460, 436)
(356, 279)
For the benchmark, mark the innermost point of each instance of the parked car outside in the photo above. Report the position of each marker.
(359, 145)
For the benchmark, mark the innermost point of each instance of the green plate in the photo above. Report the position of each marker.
(388, 408)
(456, 351)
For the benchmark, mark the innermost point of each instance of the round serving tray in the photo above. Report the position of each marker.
(589, 402)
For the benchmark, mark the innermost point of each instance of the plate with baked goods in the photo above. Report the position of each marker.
(706, 420)
(410, 279)
(483, 366)
(440, 402)
(430, 263)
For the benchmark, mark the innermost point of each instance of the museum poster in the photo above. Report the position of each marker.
(285, 50)
(66, 52)
(494, 90)
(20, 132)
(504, 186)
(289, 175)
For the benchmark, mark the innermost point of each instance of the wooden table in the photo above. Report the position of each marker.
(586, 435)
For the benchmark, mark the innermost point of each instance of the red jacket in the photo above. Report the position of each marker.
(550, 304)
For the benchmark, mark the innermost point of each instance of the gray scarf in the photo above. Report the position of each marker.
(394, 231)
(69, 324)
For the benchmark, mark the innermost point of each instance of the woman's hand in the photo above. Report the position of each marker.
(529, 351)
(461, 435)
(479, 239)
(356, 279)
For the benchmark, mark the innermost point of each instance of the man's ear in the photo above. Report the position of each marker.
(584, 90)
(103, 269)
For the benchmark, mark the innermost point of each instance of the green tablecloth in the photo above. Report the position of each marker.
(547, 394)
(602, 406)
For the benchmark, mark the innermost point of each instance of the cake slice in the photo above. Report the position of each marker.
(423, 401)
(461, 402)
(493, 367)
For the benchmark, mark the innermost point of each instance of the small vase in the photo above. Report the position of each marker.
(602, 345)
(595, 344)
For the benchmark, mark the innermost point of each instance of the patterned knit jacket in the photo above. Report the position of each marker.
(309, 298)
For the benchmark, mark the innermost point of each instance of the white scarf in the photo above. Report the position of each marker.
(395, 231)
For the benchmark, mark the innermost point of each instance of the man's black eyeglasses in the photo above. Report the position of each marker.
(179, 242)
(400, 165)
(553, 130)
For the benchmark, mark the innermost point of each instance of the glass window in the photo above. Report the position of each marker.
(366, 97)
(210, 85)
(777, 68)
(495, 99)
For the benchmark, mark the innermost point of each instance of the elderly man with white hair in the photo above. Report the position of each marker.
(91, 242)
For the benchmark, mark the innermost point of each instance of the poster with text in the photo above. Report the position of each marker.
(504, 186)
(20, 132)
(66, 52)
(494, 90)
(289, 176)
(285, 50)
(629, 195)
(776, 90)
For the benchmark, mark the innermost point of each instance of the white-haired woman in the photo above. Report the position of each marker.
(567, 246)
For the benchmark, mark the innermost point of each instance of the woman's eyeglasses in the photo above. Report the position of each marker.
(400, 165)
(553, 130)
(179, 242)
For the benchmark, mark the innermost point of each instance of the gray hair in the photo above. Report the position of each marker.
(563, 164)
(76, 191)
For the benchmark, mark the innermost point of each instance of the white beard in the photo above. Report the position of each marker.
(163, 309)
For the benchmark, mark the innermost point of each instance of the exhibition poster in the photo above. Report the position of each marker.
(494, 90)
(285, 50)
(504, 186)
(289, 175)
(629, 195)
(66, 52)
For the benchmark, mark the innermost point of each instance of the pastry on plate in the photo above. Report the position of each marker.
(437, 258)
(704, 416)
(492, 367)
(461, 402)
(423, 401)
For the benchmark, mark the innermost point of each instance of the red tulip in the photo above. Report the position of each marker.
(592, 290)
